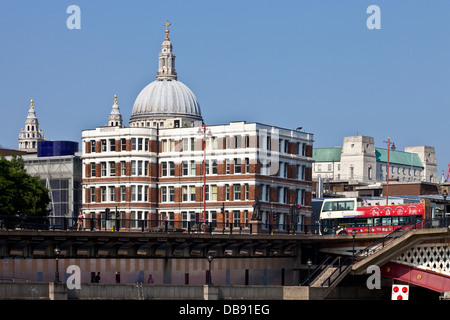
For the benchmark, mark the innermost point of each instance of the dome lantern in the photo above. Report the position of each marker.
(166, 101)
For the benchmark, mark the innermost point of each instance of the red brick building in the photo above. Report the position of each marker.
(168, 166)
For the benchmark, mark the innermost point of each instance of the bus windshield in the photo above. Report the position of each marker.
(338, 205)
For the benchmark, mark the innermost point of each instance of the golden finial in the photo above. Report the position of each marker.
(31, 104)
(167, 24)
(115, 99)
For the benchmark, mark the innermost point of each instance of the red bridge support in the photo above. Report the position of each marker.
(427, 279)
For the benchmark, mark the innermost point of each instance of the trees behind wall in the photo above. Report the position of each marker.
(20, 193)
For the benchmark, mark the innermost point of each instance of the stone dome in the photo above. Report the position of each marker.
(165, 98)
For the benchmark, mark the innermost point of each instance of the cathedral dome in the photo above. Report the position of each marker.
(166, 97)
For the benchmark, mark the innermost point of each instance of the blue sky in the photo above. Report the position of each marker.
(310, 63)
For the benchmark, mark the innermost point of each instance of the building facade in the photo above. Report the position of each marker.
(358, 162)
(167, 165)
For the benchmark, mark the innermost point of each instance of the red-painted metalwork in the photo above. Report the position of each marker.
(420, 277)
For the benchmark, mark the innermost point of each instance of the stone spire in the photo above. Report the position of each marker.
(29, 136)
(166, 68)
(115, 117)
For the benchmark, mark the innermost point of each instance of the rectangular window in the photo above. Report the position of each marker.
(164, 146)
(92, 145)
(164, 169)
(227, 192)
(163, 194)
(185, 144)
(246, 191)
(133, 167)
(214, 166)
(123, 193)
(140, 146)
(171, 194)
(112, 169)
(92, 194)
(237, 191)
(103, 167)
(140, 168)
(146, 168)
(192, 192)
(123, 168)
(193, 168)
(214, 192)
(133, 144)
(172, 168)
(146, 193)
(185, 168)
(133, 219)
(133, 193)
(112, 145)
(184, 193)
(236, 218)
(103, 194)
(237, 165)
(123, 144)
(103, 145)
(92, 170)
(112, 194)
(247, 165)
(214, 143)
(237, 142)
(139, 193)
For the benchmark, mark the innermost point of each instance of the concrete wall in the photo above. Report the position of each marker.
(88, 291)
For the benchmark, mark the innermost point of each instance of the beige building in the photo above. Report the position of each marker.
(359, 163)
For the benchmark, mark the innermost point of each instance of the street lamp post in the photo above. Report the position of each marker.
(57, 251)
(202, 131)
(444, 195)
(353, 252)
(309, 264)
(210, 259)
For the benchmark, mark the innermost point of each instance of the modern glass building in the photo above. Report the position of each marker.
(58, 166)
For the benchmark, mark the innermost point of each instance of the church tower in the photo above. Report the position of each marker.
(115, 117)
(166, 68)
(29, 136)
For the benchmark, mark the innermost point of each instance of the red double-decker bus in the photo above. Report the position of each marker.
(343, 215)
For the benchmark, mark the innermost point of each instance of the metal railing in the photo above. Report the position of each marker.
(322, 266)
(389, 238)
(345, 264)
(102, 223)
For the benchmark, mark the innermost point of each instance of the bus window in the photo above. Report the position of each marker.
(328, 226)
(327, 206)
(386, 221)
(338, 206)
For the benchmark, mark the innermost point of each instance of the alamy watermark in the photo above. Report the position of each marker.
(74, 20)
(374, 21)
